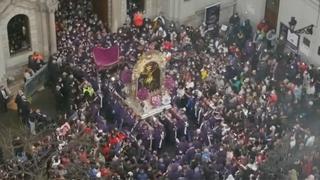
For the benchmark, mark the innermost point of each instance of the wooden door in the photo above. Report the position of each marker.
(101, 8)
(272, 12)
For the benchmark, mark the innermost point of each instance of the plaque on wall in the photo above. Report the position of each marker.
(292, 40)
(306, 41)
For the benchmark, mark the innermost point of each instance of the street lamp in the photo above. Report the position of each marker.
(305, 30)
(292, 23)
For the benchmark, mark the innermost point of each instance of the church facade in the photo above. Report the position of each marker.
(28, 26)
(25, 26)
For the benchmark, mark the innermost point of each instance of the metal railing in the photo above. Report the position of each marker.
(36, 81)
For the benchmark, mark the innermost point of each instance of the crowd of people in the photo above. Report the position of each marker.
(234, 99)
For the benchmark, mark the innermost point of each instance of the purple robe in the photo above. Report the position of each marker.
(249, 50)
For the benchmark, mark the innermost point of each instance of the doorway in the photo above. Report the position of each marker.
(135, 5)
(19, 34)
(272, 12)
(101, 8)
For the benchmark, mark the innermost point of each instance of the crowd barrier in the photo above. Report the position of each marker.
(36, 82)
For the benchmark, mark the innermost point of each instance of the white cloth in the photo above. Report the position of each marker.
(220, 83)
(166, 99)
(310, 177)
(4, 94)
(252, 166)
(292, 142)
(229, 90)
(217, 44)
(229, 157)
(310, 90)
(146, 108)
(101, 100)
(27, 75)
(173, 36)
(198, 93)
(310, 141)
(190, 84)
(180, 93)
(32, 127)
(230, 177)
(55, 164)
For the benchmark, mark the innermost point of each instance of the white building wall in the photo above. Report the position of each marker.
(192, 11)
(34, 32)
(190, 7)
(251, 9)
(2, 66)
(152, 8)
(187, 12)
(118, 14)
(164, 7)
(306, 12)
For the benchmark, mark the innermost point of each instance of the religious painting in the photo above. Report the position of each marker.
(147, 94)
(150, 77)
(148, 73)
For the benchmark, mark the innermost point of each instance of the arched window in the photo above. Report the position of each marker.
(19, 34)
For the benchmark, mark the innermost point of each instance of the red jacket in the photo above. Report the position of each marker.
(263, 26)
(167, 45)
(114, 140)
(106, 150)
(105, 172)
(138, 19)
(121, 136)
(307, 167)
(273, 98)
(83, 156)
(87, 130)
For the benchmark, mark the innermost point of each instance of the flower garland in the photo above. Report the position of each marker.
(143, 94)
(155, 100)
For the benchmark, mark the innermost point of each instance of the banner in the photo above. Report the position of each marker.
(211, 18)
(106, 57)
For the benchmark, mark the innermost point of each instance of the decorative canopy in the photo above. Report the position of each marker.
(105, 58)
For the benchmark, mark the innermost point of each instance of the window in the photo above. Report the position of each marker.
(19, 34)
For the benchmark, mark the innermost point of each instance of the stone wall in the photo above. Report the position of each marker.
(181, 11)
(38, 15)
(252, 9)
